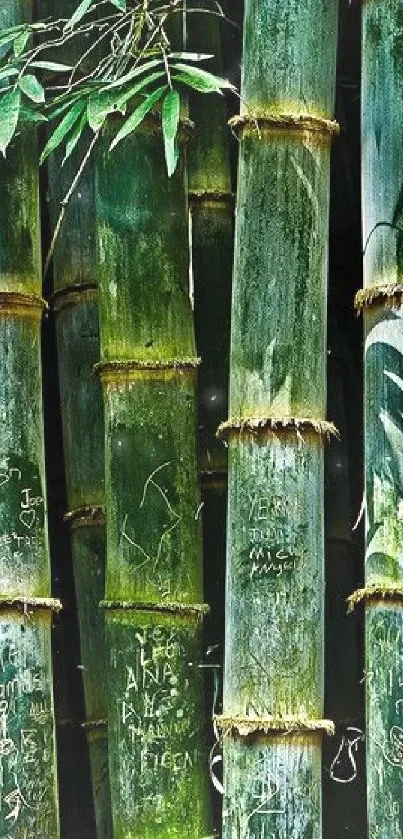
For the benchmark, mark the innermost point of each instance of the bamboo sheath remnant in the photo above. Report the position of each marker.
(382, 189)
(28, 782)
(274, 618)
(158, 769)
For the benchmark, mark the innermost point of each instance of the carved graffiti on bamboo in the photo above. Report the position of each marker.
(269, 516)
(343, 768)
(155, 497)
(21, 511)
(154, 708)
(26, 734)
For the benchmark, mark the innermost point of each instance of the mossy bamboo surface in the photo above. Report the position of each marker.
(382, 189)
(77, 328)
(274, 619)
(28, 779)
(154, 570)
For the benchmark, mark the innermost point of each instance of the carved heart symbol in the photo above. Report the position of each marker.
(27, 517)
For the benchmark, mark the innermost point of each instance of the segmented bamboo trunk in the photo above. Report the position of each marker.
(28, 781)
(382, 191)
(154, 570)
(273, 685)
(77, 326)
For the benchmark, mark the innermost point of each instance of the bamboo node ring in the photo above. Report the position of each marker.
(194, 609)
(30, 604)
(299, 122)
(29, 303)
(106, 369)
(276, 425)
(390, 293)
(376, 592)
(73, 294)
(85, 516)
(247, 725)
(93, 725)
(211, 196)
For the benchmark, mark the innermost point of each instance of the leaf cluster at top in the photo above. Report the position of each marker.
(126, 66)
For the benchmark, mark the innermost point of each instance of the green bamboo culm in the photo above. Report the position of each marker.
(75, 304)
(273, 684)
(154, 589)
(28, 780)
(381, 298)
(77, 327)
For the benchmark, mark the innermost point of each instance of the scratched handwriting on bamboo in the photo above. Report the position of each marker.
(265, 556)
(29, 510)
(152, 484)
(25, 740)
(343, 768)
(153, 709)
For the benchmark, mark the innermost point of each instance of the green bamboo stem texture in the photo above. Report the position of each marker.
(77, 328)
(382, 185)
(28, 781)
(274, 617)
(155, 687)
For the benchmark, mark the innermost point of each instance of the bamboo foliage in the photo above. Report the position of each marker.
(382, 168)
(28, 799)
(273, 683)
(154, 572)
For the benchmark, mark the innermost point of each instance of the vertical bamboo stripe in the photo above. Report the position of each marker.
(382, 175)
(274, 617)
(28, 779)
(155, 688)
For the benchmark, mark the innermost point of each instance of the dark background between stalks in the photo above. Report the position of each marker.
(344, 803)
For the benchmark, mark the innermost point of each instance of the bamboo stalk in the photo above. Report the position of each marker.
(77, 327)
(75, 303)
(154, 569)
(28, 779)
(382, 166)
(273, 686)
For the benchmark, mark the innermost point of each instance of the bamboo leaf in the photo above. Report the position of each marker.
(9, 113)
(105, 102)
(120, 4)
(32, 88)
(8, 71)
(202, 86)
(75, 136)
(79, 13)
(190, 56)
(29, 115)
(137, 71)
(20, 42)
(138, 115)
(201, 79)
(125, 97)
(62, 103)
(51, 65)
(63, 129)
(170, 123)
